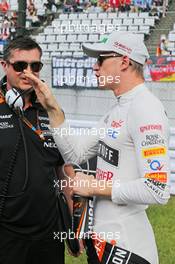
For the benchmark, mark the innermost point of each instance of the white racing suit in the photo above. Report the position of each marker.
(133, 153)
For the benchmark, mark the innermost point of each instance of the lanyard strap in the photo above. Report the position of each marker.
(36, 131)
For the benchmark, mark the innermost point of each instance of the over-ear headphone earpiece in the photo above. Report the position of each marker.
(14, 99)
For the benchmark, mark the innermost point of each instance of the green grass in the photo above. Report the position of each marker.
(162, 219)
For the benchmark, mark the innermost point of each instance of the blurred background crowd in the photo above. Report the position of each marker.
(37, 17)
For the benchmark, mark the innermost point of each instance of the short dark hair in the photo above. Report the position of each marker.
(21, 43)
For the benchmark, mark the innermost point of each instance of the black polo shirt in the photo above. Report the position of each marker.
(34, 212)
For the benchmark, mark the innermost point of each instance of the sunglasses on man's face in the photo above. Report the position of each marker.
(20, 66)
(103, 57)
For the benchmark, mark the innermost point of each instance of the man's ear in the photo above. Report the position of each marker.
(4, 65)
(125, 63)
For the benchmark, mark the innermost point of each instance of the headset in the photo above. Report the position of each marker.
(14, 99)
(15, 96)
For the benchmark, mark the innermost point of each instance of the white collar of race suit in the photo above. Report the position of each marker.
(128, 96)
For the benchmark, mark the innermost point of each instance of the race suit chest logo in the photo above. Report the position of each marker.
(117, 124)
(108, 154)
(159, 151)
(150, 128)
(154, 139)
(114, 131)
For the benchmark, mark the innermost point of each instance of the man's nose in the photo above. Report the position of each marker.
(29, 67)
(96, 67)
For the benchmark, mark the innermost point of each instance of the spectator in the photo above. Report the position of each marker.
(94, 2)
(69, 6)
(164, 46)
(78, 6)
(104, 5)
(99, 7)
(128, 5)
(124, 5)
(154, 11)
(140, 5)
(133, 7)
(148, 5)
(52, 4)
(114, 4)
(89, 8)
(6, 28)
(32, 14)
(4, 6)
(13, 28)
(32, 11)
(35, 21)
(158, 2)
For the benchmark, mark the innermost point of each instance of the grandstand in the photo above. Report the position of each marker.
(67, 32)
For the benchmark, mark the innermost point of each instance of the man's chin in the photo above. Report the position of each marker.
(25, 87)
(103, 86)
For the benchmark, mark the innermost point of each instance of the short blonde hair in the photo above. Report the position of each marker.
(138, 68)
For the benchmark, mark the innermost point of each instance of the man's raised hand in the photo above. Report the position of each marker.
(46, 98)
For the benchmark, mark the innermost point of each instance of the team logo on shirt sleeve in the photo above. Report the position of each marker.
(156, 187)
(157, 176)
(155, 165)
(151, 152)
(152, 139)
(150, 127)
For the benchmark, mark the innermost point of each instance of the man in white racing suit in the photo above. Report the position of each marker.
(132, 153)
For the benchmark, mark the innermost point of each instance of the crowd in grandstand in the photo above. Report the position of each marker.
(50, 7)
(109, 5)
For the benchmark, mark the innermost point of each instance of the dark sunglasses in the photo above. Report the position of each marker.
(103, 57)
(20, 66)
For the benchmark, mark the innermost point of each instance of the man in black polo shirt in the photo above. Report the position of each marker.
(28, 162)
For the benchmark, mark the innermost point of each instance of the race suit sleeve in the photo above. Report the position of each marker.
(149, 130)
(77, 146)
